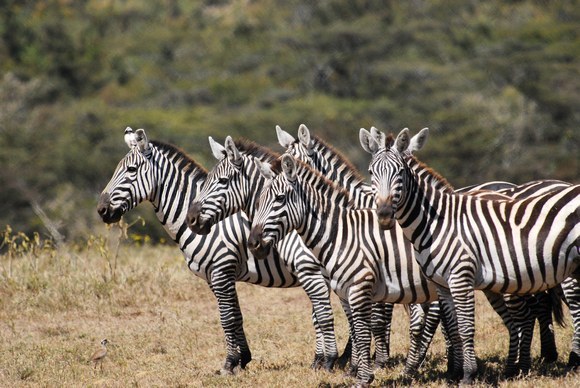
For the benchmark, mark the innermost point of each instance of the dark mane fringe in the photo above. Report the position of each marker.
(433, 175)
(389, 140)
(321, 182)
(355, 172)
(186, 162)
(250, 148)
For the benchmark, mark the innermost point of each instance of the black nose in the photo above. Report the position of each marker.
(255, 239)
(193, 214)
(103, 205)
(385, 211)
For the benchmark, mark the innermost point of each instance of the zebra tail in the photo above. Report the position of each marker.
(556, 297)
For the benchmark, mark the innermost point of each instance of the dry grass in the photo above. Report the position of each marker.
(163, 327)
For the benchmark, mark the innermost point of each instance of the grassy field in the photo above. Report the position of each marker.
(163, 327)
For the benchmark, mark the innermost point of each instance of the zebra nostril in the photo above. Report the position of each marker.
(103, 205)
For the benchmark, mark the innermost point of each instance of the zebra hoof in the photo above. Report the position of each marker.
(511, 373)
(329, 362)
(225, 372)
(573, 362)
(549, 357)
(245, 358)
(318, 361)
(342, 361)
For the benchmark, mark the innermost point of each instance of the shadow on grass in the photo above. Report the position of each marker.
(490, 372)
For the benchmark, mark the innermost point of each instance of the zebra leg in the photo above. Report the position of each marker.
(571, 288)
(416, 323)
(542, 311)
(359, 298)
(238, 352)
(317, 290)
(519, 308)
(318, 361)
(498, 304)
(382, 313)
(432, 317)
(349, 354)
(453, 339)
(463, 293)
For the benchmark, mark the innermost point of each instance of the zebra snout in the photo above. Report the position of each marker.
(194, 221)
(256, 244)
(107, 214)
(386, 214)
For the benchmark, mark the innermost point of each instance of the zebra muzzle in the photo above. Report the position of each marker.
(386, 215)
(258, 247)
(195, 221)
(108, 214)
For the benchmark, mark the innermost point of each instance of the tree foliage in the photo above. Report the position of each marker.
(497, 82)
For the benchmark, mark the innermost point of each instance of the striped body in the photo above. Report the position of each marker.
(330, 163)
(334, 166)
(363, 263)
(165, 176)
(465, 242)
(232, 186)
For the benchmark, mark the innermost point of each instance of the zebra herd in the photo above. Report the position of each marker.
(307, 218)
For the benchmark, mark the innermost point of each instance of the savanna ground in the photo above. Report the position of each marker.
(162, 323)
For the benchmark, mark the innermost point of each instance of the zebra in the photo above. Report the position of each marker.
(325, 159)
(315, 152)
(233, 185)
(363, 262)
(164, 175)
(570, 287)
(453, 234)
(543, 303)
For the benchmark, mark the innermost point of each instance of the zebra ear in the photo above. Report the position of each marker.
(231, 151)
(289, 167)
(130, 137)
(378, 136)
(304, 136)
(402, 141)
(368, 142)
(141, 139)
(265, 169)
(284, 138)
(418, 141)
(218, 150)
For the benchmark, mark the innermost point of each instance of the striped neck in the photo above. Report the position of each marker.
(253, 179)
(323, 199)
(339, 169)
(178, 178)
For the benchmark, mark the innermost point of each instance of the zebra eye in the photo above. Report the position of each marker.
(223, 180)
(370, 172)
(131, 169)
(280, 197)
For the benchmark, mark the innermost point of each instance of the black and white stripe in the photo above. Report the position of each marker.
(465, 243)
(232, 186)
(169, 179)
(363, 262)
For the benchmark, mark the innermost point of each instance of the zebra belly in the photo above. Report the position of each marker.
(389, 292)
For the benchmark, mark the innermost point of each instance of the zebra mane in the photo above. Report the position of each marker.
(248, 147)
(322, 184)
(431, 176)
(336, 157)
(183, 161)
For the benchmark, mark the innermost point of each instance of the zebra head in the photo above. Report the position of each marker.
(132, 181)
(387, 169)
(219, 196)
(303, 149)
(279, 207)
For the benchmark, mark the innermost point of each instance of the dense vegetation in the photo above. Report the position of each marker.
(497, 82)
